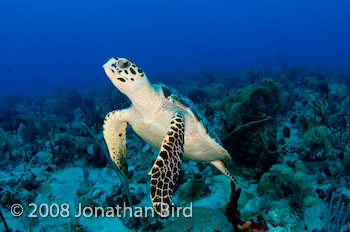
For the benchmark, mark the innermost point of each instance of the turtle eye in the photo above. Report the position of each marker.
(123, 64)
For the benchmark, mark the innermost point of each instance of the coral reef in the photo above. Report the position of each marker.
(232, 214)
(318, 139)
(249, 116)
(335, 214)
(287, 130)
(286, 181)
(198, 96)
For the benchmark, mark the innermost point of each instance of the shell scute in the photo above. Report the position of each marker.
(179, 99)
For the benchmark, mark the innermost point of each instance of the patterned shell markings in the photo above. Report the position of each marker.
(175, 96)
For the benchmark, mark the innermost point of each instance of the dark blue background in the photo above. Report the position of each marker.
(48, 44)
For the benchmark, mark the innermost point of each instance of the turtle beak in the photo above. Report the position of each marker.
(108, 72)
(108, 68)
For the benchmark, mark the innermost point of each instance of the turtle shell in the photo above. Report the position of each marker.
(175, 96)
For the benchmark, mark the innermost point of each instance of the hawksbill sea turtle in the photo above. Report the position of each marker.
(165, 120)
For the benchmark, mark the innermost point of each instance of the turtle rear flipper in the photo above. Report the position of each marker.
(221, 167)
(114, 133)
(166, 168)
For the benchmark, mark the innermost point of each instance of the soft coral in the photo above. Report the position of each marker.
(232, 215)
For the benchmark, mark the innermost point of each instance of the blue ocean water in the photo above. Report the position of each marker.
(268, 84)
(45, 44)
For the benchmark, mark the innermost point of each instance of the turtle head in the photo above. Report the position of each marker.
(125, 74)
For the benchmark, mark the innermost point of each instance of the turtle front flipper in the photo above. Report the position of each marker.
(166, 168)
(114, 133)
